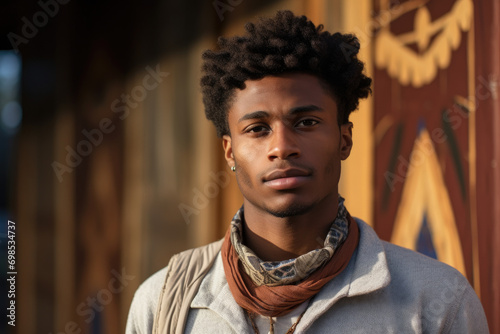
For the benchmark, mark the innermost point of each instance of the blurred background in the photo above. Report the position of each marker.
(108, 165)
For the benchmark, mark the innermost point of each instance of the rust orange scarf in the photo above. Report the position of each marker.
(275, 301)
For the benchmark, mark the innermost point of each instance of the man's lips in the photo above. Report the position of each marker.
(282, 179)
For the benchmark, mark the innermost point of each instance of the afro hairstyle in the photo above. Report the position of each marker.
(279, 45)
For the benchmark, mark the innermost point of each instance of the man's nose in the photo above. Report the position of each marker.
(283, 144)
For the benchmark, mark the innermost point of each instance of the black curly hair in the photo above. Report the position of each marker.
(283, 44)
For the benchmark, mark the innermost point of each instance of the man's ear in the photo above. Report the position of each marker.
(228, 150)
(345, 140)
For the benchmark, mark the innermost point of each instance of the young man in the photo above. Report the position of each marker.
(293, 259)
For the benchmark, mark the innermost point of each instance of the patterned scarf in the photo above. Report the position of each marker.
(273, 273)
(274, 288)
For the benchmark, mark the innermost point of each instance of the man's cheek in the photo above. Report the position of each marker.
(242, 177)
(333, 168)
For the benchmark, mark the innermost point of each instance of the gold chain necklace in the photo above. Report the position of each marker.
(271, 324)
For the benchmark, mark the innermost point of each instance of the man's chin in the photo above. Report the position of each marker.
(290, 210)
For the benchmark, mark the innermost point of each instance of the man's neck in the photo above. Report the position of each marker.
(276, 239)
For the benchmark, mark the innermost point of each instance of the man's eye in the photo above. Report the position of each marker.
(257, 129)
(307, 122)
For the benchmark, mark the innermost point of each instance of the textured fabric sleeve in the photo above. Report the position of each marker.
(143, 308)
(470, 317)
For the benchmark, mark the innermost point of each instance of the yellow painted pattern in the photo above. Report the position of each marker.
(425, 192)
(392, 52)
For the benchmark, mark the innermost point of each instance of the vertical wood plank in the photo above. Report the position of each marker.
(64, 274)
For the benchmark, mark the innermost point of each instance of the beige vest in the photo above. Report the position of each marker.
(185, 272)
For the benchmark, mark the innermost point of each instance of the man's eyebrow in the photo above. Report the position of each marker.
(301, 109)
(254, 115)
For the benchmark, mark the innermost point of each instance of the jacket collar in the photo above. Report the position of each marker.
(370, 269)
(367, 272)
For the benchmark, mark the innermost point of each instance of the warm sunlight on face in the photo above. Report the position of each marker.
(286, 144)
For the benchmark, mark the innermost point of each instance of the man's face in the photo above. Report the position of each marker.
(286, 144)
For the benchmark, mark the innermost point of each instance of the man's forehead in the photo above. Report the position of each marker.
(299, 86)
(288, 82)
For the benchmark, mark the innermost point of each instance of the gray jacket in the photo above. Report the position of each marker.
(384, 289)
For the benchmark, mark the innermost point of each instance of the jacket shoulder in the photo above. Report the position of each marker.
(416, 265)
(143, 307)
(146, 298)
(444, 294)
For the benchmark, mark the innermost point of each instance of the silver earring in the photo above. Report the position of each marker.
(233, 168)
